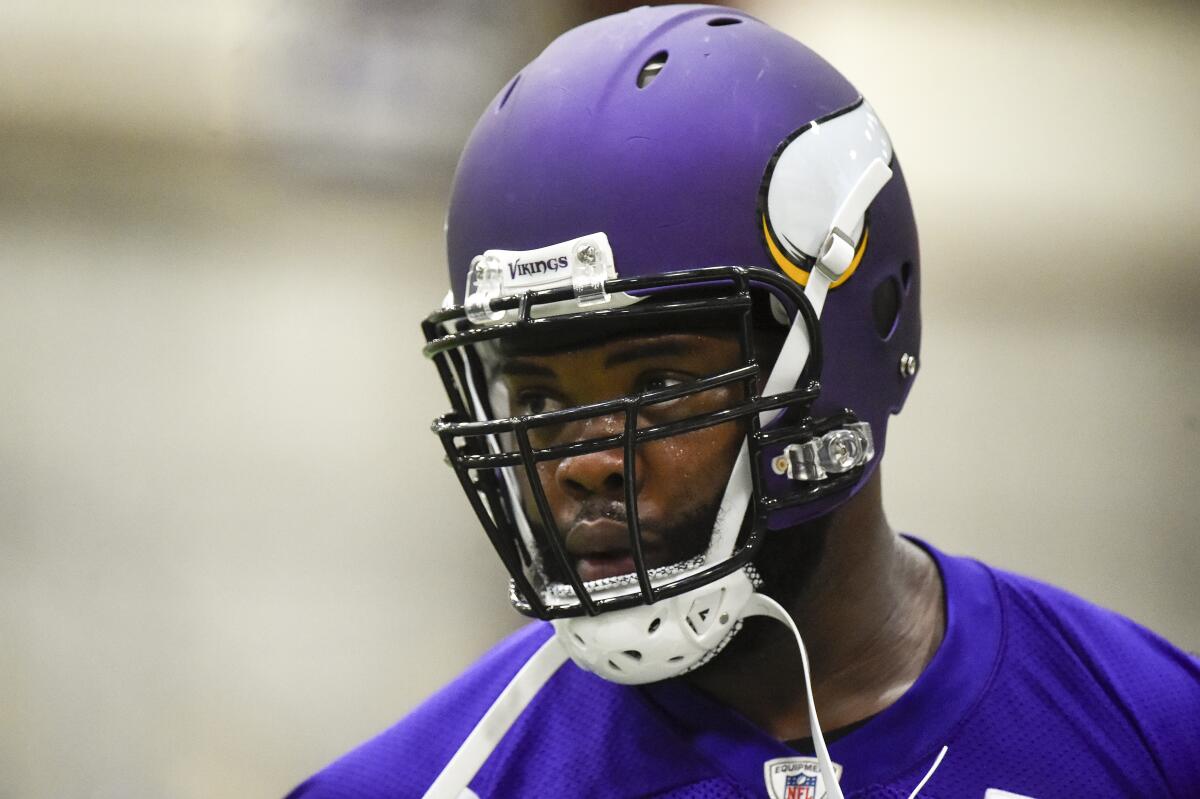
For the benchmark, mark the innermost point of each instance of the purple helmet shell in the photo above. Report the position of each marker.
(671, 165)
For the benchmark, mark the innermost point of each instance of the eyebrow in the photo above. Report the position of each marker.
(649, 349)
(518, 368)
(663, 348)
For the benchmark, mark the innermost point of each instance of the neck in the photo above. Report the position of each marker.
(869, 606)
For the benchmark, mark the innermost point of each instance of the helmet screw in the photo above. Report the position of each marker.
(587, 254)
(908, 365)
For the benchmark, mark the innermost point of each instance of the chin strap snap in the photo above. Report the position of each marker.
(836, 452)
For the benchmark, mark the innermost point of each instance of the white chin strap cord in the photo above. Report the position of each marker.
(762, 605)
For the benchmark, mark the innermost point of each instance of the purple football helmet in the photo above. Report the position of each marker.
(664, 164)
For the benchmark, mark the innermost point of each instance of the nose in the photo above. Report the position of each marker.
(598, 474)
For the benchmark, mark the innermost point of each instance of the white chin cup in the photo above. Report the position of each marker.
(649, 643)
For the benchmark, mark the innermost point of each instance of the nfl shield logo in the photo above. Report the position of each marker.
(796, 778)
(800, 786)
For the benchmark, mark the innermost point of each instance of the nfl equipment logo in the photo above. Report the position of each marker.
(800, 786)
(796, 778)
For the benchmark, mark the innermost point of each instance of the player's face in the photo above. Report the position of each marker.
(680, 479)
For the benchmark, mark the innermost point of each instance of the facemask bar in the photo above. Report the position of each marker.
(479, 466)
(628, 440)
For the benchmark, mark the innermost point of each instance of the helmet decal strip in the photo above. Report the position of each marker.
(585, 264)
(838, 250)
(801, 276)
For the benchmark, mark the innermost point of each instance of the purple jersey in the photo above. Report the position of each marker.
(1036, 692)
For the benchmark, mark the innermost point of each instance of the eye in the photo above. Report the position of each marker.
(532, 402)
(660, 382)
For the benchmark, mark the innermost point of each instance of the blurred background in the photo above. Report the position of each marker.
(228, 548)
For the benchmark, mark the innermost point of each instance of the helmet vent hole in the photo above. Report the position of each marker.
(906, 275)
(579, 639)
(675, 659)
(654, 625)
(614, 665)
(508, 92)
(651, 69)
(632, 654)
(885, 306)
(721, 21)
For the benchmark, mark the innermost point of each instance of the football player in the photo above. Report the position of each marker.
(684, 304)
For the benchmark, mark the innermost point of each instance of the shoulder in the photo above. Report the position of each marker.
(1122, 682)
(404, 759)
(1113, 648)
(580, 735)
(1047, 623)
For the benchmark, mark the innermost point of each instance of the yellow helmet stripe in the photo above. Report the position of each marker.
(800, 275)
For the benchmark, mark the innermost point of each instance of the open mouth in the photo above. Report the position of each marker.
(600, 548)
(600, 551)
(602, 565)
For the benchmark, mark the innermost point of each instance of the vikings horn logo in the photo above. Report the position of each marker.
(808, 178)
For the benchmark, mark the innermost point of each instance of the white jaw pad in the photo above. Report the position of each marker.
(648, 643)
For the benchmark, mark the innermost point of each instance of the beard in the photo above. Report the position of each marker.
(788, 562)
(679, 538)
(789, 559)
